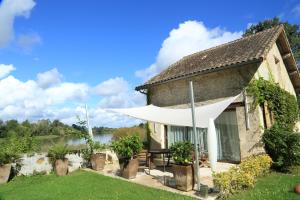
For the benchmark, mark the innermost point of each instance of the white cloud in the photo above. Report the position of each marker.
(67, 92)
(188, 38)
(296, 10)
(9, 10)
(123, 100)
(49, 78)
(5, 70)
(112, 86)
(49, 97)
(26, 41)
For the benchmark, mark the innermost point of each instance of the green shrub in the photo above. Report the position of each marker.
(7, 157)
(256, 165)
(182, 152)
(135, 130)
(58, 152)
(13, 146)
(128, 146)
(283, 147)
(283, 105)
(242, 176)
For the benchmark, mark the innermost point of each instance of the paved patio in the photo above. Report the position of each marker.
(164, 180)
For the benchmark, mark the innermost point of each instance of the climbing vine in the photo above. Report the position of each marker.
(281, 143)
(282, 104)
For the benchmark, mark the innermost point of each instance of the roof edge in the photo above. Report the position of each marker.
(205, 71)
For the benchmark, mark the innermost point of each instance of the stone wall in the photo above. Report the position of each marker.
(211, 86)
(40, 163)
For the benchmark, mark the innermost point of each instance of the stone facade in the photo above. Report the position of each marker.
(215, 86)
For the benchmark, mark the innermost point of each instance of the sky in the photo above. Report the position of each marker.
(56, 56)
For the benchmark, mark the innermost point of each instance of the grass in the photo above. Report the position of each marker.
(79, 185)
(275, 186)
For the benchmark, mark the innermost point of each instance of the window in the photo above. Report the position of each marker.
(227, 134)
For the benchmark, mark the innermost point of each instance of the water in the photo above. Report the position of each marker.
(73, 141)
(103, 139)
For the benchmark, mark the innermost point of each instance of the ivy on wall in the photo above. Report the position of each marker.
(282, 104)
(281, 143)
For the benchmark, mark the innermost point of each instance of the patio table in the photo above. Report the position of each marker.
(163, 152)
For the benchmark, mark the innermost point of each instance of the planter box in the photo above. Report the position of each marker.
(129, 168)
(4, 173)
(184, 177)
(98, 161)
(61, 167)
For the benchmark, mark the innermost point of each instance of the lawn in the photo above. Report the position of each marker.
(79, 185)
(275, 186)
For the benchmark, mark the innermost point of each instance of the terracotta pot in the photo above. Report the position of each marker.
(183, 175)
(61, 167)
(98, 161)
(4, 173)
(297, 189)
(129, 168)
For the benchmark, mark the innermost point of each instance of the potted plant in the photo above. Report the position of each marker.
(127, 148)
(183, 168)
(10, 151)
(58, 154)
(94, 158)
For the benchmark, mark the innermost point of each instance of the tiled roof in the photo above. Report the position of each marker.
(248, 49)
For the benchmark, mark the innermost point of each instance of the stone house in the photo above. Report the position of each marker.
(220, 72)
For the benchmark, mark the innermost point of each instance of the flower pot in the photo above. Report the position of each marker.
(98, 161)
(297, 189)
(183, 175)
(129, 168)
(4, 173)
(61, 167)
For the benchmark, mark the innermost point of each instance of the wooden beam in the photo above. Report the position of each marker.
(285, 56)
(293, 73)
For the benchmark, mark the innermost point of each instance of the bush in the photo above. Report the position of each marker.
(243, 176)
(121, 132)
(283, 147)
(256, 165)
(182, 152)
(58, 152)
(127, 147)
(13, 146)
(7, 157)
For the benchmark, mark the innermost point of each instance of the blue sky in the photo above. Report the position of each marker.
(85, 47)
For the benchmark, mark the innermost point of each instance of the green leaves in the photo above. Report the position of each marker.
(182, 152)
(14, 145)
(58, 152)
(283, 147)
(128, 146)
(281, 143)
(282, 104)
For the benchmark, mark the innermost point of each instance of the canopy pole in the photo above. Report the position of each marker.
(194, 133)
(88, 122)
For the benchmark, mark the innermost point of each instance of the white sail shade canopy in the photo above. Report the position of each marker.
(178, 117)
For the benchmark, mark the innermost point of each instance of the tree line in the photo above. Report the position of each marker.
(42, 128)
(39, 128)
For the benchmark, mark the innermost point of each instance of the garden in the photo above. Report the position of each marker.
(273, 175)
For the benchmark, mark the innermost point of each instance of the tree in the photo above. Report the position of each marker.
(292, 31)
